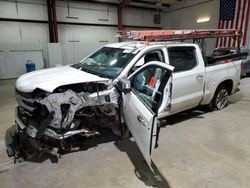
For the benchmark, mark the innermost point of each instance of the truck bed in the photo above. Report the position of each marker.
(218, 72)
(220, 58)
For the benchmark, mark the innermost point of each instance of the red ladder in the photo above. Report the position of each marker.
(180, 34)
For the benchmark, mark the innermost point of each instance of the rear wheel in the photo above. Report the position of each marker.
(220, 99)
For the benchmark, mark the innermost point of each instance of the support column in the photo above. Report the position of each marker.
(119, 13)
(52, 21)
(122, 4)
(55, 21)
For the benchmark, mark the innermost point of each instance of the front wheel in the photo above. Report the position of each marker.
(220, 99)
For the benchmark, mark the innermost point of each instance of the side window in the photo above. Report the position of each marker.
(146, 84)
(156, 55)
(182, 58)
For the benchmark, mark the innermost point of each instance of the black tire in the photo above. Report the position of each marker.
(220, 99)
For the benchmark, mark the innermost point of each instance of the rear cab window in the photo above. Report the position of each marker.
(183, 58)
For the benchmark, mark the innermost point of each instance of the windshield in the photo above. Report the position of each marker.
(106, 62)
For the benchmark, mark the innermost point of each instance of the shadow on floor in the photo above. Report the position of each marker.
(185, 115)
(142, 171)
(197, 112)
(26, 151)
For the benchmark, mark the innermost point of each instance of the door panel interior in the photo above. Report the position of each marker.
(140, 106)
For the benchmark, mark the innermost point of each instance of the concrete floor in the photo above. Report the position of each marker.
(196, 149)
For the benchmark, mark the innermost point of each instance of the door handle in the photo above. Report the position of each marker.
(199, 77)
(141, 120)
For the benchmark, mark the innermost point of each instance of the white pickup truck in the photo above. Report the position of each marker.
(128, 83)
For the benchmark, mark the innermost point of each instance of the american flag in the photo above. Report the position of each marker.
(234, 14)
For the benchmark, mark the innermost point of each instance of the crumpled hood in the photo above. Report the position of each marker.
(50, 79)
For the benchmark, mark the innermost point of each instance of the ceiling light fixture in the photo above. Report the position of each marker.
(203, 19)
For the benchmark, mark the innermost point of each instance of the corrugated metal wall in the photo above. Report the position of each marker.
(12, 64)
(76, 41)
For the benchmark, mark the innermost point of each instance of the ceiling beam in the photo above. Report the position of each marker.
(137, 3)
(151, 3)
(126, 2)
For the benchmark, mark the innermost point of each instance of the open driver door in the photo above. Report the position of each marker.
(143, 93)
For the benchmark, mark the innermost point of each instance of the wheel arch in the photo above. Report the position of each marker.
(229, 85)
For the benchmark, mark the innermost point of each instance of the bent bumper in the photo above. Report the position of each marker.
(29, 130)
(33, 132)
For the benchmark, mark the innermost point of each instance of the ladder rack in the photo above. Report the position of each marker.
(179, 34)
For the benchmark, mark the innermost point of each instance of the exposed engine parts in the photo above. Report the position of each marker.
(63, 106)
(51, 118)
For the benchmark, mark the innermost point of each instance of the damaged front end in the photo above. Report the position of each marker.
(46, 121)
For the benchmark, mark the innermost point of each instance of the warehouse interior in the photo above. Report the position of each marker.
(197, 148)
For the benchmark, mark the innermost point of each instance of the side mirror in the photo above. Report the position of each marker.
(124, 85)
